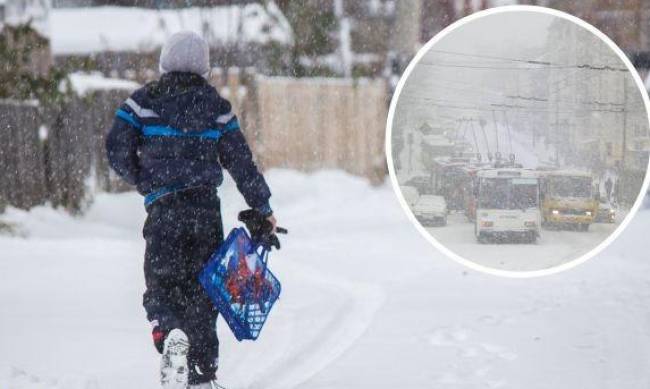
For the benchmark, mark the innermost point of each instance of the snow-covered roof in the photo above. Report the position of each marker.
(83, 83)
(568, 173)
(96, 29)
(17, 12)
(431, 203)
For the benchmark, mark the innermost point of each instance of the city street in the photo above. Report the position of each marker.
(553, 248)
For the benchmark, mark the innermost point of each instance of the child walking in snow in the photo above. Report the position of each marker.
(171, 139)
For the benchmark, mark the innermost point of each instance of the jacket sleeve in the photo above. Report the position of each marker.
(122, 145)
(236, 157)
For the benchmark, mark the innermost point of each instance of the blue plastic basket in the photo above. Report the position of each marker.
(240, 285)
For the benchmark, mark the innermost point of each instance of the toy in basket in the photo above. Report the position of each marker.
(240, 284)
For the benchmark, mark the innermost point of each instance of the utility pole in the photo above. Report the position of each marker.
(496, 129)
(557, 124)
(624, 122)
(409, 139)
(405, 39)
(478, 149)
(505, 117)
(620, 192)
(482, 123)
(345, 46)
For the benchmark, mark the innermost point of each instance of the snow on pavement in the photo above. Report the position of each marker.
(366, 302)
(554, 247)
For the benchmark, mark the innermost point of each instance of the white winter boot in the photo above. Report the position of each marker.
(173, 365)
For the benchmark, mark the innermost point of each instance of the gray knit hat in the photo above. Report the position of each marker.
(185, 51)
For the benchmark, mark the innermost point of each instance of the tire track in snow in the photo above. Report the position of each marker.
(307, 332)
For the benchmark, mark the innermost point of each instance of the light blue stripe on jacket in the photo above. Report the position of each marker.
(171, 131)
(129, 118)
(210, 133)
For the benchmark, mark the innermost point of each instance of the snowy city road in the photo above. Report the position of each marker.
(554, 247)
(366, 304)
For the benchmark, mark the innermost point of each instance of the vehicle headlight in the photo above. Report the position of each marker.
(555, 212)
(611, 212)
(588, 213)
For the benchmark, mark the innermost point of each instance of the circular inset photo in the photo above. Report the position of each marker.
(518, 141)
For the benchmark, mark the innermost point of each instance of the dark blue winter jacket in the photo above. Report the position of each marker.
(177, 133)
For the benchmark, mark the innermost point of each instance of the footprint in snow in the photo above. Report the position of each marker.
(499, 351)
(470, 352)
(495, 384)
(495, 320)
(476, 359)
(448, 379)
(446, 337)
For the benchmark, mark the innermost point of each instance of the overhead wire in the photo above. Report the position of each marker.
(543, 64)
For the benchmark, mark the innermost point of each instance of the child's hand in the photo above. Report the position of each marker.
(273, 222)
(263, 229)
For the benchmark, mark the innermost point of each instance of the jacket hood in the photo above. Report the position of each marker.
(186, 101)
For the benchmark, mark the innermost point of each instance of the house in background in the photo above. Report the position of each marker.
(606, 120)
(24, 24)
(239, 35)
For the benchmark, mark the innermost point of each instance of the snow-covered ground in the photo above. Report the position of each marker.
(366, 303)
(553, 248)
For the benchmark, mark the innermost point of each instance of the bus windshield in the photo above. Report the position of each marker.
(567, 186)
(508, 193)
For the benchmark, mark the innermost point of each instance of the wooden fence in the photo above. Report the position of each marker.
(22, 178)
(55, 153)
(304, 124)
(89, 120)
(310, 124)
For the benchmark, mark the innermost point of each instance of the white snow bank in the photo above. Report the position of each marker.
(366, 303)
(83, 83)
(97, 29)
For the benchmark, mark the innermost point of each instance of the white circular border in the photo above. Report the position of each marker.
(389, 156)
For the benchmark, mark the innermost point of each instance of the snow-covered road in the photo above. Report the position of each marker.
(366, 303)
(553, 248)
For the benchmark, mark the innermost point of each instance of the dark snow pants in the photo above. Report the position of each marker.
(182, 230)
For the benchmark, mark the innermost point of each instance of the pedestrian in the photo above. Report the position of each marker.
(171, 139)
(608, 188)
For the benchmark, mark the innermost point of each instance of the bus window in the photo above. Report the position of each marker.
(494, 194)
(508, 193)
(561, 186)
(524, 196)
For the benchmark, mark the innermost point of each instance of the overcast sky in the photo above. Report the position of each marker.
(499, 33)
(448, 72)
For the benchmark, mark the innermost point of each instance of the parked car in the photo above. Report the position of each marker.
(431, 210)
(411, 195)
(422, 183)
(605, 213)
